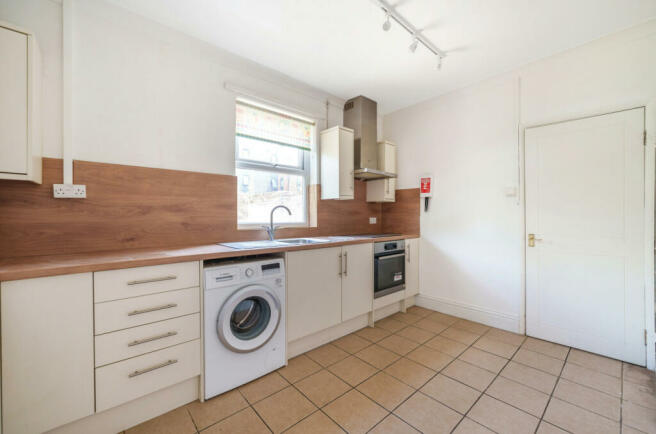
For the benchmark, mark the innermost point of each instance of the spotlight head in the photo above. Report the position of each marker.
(413, 46)
(387, 24)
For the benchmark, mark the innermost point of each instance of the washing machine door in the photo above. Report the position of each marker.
(248, 318)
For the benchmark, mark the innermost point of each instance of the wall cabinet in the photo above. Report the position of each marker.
(383, 190)
(337, 163)
(20, 138)
(47, 352)
(412, 267)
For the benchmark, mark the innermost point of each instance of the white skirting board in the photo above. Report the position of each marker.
(134, 412)
(315, 340)
(505, 321)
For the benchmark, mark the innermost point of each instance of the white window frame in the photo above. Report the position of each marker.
(303, 170)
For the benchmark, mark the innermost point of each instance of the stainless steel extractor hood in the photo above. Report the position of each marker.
(361, 115)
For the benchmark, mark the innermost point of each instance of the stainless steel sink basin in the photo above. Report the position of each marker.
(304, 241)
(264, 244)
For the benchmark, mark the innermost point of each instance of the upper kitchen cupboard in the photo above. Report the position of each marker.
(20, 138)
(337, 163)
(383, 190)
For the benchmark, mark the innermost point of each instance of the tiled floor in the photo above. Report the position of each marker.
(424, 371)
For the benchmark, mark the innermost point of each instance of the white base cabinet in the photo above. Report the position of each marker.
(412, 267)
(357, 280)
(47, 352)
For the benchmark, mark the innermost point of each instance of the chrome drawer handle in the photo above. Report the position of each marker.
(150, 339)
(152, 368)
(152, 309)
(154, 279)
(381, 258)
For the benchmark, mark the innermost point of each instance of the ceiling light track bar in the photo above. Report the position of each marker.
(391, 13)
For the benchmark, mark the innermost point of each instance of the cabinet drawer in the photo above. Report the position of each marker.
(131, 312)
(124, 381)
(132, 282)
(123, 344)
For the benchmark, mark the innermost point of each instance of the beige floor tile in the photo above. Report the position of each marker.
(451, 393)
(430, 325)
(638, 374)
(298, 368)
(393, 425)
(283, 409)
(385, 390)
(539, 361)
(528, 376)
(316, 423)
(628, 430)
(408, 318)
(447, 346)
(355, 412)
(483, 359)
(175, 421)
(547, 428)
(596, 380)
(501, 417)
(398, 344)
(590, 399)
(377, 356)
(547, 348)
(418, 310)
(322, 387)
(523, 397)
(430, 358)
(244, 422)
(468, 426)
(595, 362)
(577, 420)
(352, 370)
(264, 386)
(471, 326)
(373, 334)
(351, 343)
(410, 372)
(459, 335)
(327, 354)
(644, 395)
(505, 336)
(471, 375)
(390, 324)
(416, 334)
(493, 346)
(443, 318)
(638, 417)
(213, 410)
(427, 415)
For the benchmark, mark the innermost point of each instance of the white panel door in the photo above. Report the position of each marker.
(585, 207)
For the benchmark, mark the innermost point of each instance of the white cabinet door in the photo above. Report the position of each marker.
(47, 352)
(384, 190)
(412, 267)
(314, 291)
(357, 280)
(337, 164)
(13, 102)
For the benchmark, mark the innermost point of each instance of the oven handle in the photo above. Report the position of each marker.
(380, 258)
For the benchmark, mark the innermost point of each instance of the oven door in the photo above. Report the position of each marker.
(389, 274)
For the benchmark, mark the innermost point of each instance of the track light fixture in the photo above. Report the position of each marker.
(439, 63)
(413, 46)
(387, 24)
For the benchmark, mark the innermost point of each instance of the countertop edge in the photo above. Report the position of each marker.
(29, 267)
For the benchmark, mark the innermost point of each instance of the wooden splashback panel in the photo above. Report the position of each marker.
(402, 216)
(140, 207)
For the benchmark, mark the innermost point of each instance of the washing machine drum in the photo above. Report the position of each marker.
(248, 318)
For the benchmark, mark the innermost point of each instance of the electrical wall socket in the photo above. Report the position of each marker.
(372, 220)
(69, 191)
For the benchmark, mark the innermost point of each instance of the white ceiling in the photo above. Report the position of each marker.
(339, 46)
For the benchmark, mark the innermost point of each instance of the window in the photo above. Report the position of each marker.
(272, 164)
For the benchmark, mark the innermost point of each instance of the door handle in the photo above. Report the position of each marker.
(532, 240)
(340, 265)
(345, 263)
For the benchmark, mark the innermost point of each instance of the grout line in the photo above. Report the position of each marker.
(552, 392)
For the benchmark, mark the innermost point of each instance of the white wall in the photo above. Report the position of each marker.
(472, 250)
(146, 95)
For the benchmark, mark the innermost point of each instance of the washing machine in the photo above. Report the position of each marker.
(244, 316)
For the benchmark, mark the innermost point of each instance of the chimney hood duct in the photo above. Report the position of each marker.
(361, 115)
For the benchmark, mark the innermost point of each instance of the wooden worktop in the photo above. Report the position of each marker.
(52, 265)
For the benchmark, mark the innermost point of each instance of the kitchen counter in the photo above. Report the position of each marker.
(52, 265)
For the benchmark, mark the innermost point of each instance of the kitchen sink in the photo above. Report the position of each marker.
(304, 241)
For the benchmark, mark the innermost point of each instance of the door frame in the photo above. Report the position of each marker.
(649, 221)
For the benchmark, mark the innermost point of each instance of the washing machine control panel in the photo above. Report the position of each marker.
(249, 272)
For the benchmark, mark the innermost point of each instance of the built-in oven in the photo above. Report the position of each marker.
(389, 267)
